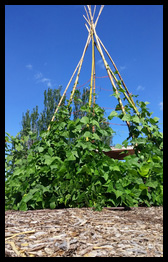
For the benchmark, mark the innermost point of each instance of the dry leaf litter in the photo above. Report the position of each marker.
(83, 232)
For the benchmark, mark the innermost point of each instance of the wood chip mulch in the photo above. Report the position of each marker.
(83, 232)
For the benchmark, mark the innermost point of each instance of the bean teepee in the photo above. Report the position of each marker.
(113, 76)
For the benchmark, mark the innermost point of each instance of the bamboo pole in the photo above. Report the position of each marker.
(63, 95)
(94, 91)
(92, 73)
(94, 86)
(87, 14)
(101, 9)
(86, 19)
(130, 98)
(91, 81)
(127, 97)
(109, 74)
(108, 69)
(94, 11)
(80, 66)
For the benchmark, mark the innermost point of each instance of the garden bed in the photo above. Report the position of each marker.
(78, 232)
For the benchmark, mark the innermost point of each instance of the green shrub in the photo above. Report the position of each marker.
(67, 166)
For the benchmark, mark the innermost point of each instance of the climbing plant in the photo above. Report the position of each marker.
(64, 169)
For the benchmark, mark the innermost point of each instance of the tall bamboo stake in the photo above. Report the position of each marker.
(87, 14)
(63, 95)
(94, 87)
(130, 98)
(127, 97)
(109, 74)
(101, 9)
(80, 66)
(92, 73)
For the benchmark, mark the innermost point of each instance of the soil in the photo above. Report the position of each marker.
(83, 232)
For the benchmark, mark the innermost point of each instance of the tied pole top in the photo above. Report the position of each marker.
(90, 17)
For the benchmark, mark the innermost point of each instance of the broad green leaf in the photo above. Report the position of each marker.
(95, 136)
(128, 200)
(143, 186)
(152, 121)
(156, 119)
(83, 169)
(126, 117)
(53, 166)
(115, 95)
(62, 169)
(48, 143)
(81, 144)
(85, 120)
(78, 127)
(48, 160)
(44, 133)
(144, 170)
(50, 151)
(68, 196)
(27, 197)
(136, 119)
(75, 153)
(19, 147)
(125, 143)
(95, 123)
(106, 176)
(147, 103)
(9, 158)
(40, 149)
(26, 138)
(17, 172)
(140, 128)
(23, 206)
(87, 134)
(152, 184)
(31, 170)
(52, 205)
(112, 114)
(62, 125)
(115, 168)
(70, 156)
(118, 146)
(118, 193)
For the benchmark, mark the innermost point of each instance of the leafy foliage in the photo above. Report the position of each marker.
(64, 169)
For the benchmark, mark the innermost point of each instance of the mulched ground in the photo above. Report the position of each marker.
(83, 232)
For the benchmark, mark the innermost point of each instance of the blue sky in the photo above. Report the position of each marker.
(44, 43)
